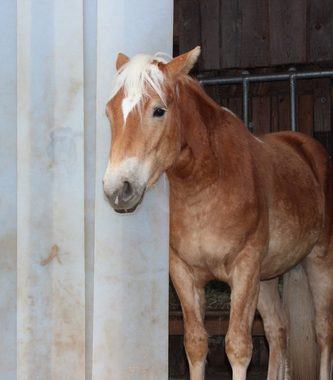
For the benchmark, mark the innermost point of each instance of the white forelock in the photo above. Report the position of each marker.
(134, 77)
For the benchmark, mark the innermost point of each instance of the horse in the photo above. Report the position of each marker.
(244, 209)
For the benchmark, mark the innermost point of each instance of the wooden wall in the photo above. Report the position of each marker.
(264, 36)
(255, 33)
(270, 107)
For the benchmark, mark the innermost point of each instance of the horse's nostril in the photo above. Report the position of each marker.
(126, 191)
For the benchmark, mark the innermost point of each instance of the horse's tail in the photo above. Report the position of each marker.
(302, 350)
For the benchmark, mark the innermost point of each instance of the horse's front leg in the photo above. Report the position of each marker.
(192, 298)
(244, 295)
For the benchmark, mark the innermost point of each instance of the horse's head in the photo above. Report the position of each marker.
(145, 133)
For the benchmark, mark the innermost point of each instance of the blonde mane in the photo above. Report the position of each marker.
(135, 76)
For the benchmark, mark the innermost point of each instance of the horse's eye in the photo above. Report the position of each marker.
(159, 112)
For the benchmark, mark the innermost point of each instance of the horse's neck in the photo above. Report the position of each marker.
(213, 141)
(196, 161)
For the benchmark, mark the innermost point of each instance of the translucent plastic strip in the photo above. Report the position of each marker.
(131, 251)
(90, 46)
(8, 190)
(50, 183)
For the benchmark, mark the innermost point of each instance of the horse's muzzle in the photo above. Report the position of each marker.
(126, 198)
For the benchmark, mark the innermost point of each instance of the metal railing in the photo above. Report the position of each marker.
(292, 76)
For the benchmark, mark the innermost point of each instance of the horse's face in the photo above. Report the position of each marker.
(142, 148)
(145, 135)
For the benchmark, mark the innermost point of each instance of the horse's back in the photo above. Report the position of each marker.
(307, 148)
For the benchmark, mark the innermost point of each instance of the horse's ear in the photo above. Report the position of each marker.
(122, 59)
(183, 63)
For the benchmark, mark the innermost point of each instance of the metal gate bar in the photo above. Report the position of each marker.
(292, 76)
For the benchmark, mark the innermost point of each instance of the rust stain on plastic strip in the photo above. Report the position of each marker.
(54, 254)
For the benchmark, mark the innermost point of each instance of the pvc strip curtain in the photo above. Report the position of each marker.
(83, 291)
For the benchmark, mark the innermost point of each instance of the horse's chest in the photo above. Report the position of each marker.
(200, 242)
(196, 245)
(200, 250)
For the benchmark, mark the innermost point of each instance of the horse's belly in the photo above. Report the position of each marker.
(283, 258)
(212, 244)
(289, 242)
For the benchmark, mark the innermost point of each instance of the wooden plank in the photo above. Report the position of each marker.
(189, 28)
(214, 93)
(264, 355)
(269, 88)
(305, 114)
(230, 33)
(261, 114)
(320, 29)
(302, 348)
(284, 113)
(177, 28)
(326, 139)
(177, 357)
(255, 361)
(236, 106)
(210, 34)
(322, 106)
(287, 31)
(254, 34)
(274, 113)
